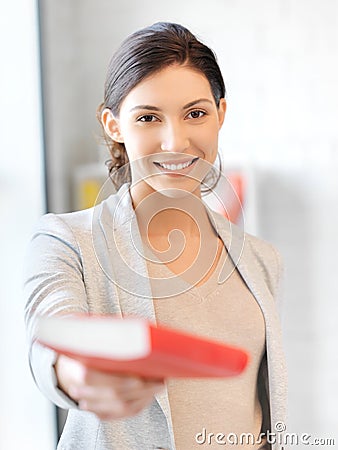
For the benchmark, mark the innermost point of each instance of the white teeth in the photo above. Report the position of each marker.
(176, 166)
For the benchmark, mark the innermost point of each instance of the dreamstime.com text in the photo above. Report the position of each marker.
(280, 436)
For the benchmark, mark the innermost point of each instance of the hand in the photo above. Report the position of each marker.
(109, 396)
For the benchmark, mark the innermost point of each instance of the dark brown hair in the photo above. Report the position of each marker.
(143, 53)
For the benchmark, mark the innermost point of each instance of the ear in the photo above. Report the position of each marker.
(221, 111)
(111, 125)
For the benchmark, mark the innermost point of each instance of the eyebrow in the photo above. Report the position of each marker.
(155, 108)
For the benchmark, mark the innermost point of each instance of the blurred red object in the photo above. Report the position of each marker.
(229, 196)
(235, 208)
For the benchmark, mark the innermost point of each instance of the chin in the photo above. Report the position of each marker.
(180, 191)
(175, 193)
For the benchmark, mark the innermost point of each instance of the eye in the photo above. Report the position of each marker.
(196, 114)
(147, 118)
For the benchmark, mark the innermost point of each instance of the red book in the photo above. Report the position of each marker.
(135, 346)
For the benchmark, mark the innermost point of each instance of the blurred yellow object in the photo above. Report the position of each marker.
(88, 182)
(88, 192)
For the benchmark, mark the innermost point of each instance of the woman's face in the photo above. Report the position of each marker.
(169, 124)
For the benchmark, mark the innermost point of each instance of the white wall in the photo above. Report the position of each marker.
(279, 59)
(26, 418)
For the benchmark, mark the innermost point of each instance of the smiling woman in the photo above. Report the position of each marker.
(139, 57)
(154, 249)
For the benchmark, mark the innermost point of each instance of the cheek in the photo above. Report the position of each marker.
(139, 143)
(207, 141)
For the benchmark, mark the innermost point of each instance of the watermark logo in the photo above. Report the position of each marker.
(279, 436)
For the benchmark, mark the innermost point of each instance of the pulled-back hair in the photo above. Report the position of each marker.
(142, 54)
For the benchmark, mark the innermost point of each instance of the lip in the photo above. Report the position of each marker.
(177, 172)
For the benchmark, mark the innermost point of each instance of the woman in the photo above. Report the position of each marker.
(155, 249)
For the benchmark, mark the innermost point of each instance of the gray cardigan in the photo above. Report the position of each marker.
(89, 261)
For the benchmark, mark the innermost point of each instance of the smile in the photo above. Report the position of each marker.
(176, 166)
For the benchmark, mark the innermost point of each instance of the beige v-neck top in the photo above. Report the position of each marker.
(213, 411)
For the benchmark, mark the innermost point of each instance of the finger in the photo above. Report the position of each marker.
(119, 383)
(117, 409)
(88, 376)
(132, 382)
(111, 394)
(93, 377)
(132, 386)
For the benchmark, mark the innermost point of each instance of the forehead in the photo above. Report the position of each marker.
(173, 84)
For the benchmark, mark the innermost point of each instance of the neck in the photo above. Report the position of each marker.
(158, 214)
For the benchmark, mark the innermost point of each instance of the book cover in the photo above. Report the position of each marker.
(133, 345)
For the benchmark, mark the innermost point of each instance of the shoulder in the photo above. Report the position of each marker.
(75, 228)
(60, 223)
(259, 255)
(266, 254)
(68, 228)
(268, 259)
(264, 251)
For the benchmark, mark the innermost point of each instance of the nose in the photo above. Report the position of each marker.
(175, 138)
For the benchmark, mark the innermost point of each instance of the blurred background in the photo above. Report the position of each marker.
(280, 63)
